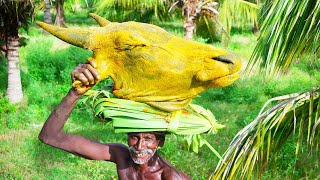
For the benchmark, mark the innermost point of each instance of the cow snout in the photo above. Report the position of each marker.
(232, 60)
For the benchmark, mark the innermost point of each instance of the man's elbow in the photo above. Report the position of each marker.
(46, 139)
(43, 138)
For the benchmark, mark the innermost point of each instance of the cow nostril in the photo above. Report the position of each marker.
(228, 59)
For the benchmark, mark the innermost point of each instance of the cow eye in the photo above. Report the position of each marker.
(127, 47)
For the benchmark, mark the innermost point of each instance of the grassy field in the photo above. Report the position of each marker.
(46, 63)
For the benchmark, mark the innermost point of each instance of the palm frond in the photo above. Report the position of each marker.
(239, 13)
(16, 14)
(125, 10)
(290, 29)
(258, 143)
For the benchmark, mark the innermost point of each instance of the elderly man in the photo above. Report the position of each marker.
(138, 161)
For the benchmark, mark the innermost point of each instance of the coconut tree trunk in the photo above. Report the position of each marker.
(3, 50)
(60, 20)
(14, 91)
(190, 10)
(47, 13)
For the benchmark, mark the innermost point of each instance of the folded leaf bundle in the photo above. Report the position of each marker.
(130, 116)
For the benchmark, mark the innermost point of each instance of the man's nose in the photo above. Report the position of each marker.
(140, 145)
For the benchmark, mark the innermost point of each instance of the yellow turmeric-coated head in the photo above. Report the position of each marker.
(150, 65)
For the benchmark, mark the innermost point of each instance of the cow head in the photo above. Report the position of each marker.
(150, 65)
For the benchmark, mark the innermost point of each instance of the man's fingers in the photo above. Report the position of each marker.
(83, 79)
(94, 72)
(86, 73)
(89, 76)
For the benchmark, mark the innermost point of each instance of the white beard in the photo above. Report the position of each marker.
(138, 160)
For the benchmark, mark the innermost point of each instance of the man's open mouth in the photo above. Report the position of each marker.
(140, 154)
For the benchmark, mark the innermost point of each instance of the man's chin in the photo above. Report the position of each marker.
(141, 160)
(141, 157)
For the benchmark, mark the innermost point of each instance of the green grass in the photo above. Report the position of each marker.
(46, 63)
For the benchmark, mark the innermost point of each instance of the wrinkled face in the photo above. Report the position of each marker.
(142, 146)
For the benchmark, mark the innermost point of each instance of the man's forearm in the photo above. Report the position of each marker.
(53, 127)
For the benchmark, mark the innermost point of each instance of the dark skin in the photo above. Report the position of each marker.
(53, 134)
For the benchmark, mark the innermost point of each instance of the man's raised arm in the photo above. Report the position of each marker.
(53, 134)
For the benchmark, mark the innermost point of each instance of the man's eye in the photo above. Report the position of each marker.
(134, 138)
(148, 139)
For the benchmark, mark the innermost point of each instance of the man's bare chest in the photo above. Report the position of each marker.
(132, 174)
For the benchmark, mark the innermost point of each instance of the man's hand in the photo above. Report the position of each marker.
(85, 76)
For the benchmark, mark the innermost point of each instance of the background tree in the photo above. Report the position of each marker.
(224, 15)
(60, 19)
(47, 12)
(290, 30)
(191, 10)
(13, 16)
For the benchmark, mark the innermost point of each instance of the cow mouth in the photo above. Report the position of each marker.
(227, 79)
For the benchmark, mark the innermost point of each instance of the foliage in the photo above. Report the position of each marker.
(290, 30)
(238, 13)
(259, 142)
(13, 15)
(56, 64)
(133, 10)
(5, 109)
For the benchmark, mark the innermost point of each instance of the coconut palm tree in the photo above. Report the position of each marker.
(14, 15)
(290, 30)
(193, 9)
(229, 12)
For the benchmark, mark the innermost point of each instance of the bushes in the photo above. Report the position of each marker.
(53, 65)
(242, 91)
(5, 107)
(299, 79)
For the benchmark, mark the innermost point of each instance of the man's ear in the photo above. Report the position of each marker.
(161, 142)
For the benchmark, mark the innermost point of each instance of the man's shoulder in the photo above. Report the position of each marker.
(117, 148)
(119, 152)
(171, 173)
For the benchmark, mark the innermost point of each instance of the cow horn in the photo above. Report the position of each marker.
(74, 36)
(100, 20)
